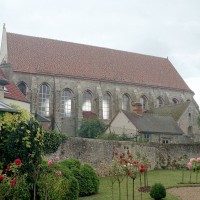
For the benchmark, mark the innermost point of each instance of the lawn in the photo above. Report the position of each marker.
(169, 178)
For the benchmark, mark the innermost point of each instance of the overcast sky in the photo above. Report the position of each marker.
(165, 28)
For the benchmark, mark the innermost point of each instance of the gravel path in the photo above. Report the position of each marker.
(186, 193)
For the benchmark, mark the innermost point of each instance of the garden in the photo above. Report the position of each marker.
(26, 173)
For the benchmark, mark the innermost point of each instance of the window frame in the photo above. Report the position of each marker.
(44, 99)
(66, 103)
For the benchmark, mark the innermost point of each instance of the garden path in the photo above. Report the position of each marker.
(186, 193)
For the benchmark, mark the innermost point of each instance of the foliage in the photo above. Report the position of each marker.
(113, 136)
(57, 183)
(71, 163)
(91, 128)
(88, 180)
(21, 137)
(25, 142)
(21, 190)
(52, 140)
(12, 183)
(85, 174)
(158, 191)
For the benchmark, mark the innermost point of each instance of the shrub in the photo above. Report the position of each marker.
(87, 179)
(57, 187)
(158, 191)
(91, 128)
(52, 140)
(71, 163)
(113, 136)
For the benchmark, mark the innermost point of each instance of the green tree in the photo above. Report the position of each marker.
(91, 128)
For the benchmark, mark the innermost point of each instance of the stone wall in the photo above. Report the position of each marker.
(99, 153)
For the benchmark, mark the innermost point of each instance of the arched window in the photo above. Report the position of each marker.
(66, 103)
(106, 106)
(44, 99)
(144, 102)
(125, 102)
(175, 101)
(160, 102)
(87, 101)
(23, 88)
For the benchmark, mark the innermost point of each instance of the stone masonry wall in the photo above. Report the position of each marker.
(99, 153)
(97, 88)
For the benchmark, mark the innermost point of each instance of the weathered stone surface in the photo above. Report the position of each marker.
(99, 153)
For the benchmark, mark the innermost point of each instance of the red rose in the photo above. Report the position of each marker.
(8, 168)
(116, 153)
(143, 169)
(121, 156)
(142, 166)
(129, 173)
(18, 162)
(12, 182)
(1, 177)
(135, 162)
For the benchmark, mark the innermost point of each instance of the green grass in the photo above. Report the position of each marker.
(169, 178)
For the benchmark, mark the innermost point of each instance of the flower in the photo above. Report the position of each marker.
(12, 182)
(189, 165)
(143, 169)
(135, 162)
(193, 160)
(198, 159)
(18, 162)
(50, 162)
(1, 177)
(59, 173)
(116, 153)
(129, 173)
(57, 158)
(8, 168)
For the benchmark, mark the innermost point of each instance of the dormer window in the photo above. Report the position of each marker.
(5, 89)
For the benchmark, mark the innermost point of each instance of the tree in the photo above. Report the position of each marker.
(91, 128)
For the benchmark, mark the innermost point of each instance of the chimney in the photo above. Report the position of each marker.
(137, 108)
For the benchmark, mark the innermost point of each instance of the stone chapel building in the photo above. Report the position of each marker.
(63, 79)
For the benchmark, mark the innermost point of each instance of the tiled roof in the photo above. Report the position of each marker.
(13, 91)
(38, 55)
(174, 111)
(151, 123)
(89, 115)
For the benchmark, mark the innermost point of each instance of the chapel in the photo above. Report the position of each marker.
(65, 81)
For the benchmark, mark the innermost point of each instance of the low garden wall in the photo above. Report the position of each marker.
(99, 153)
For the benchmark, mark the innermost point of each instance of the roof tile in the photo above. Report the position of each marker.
(39, 55)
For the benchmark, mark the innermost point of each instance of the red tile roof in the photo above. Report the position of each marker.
(39, 55)
(89, 115)
(13, 91)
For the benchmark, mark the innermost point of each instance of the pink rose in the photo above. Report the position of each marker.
(189, 165)
(193, 160)
(59, 173)
(57, 158)
(50, 162)
(198, 159)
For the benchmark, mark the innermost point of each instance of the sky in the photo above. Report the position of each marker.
(163, 28)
